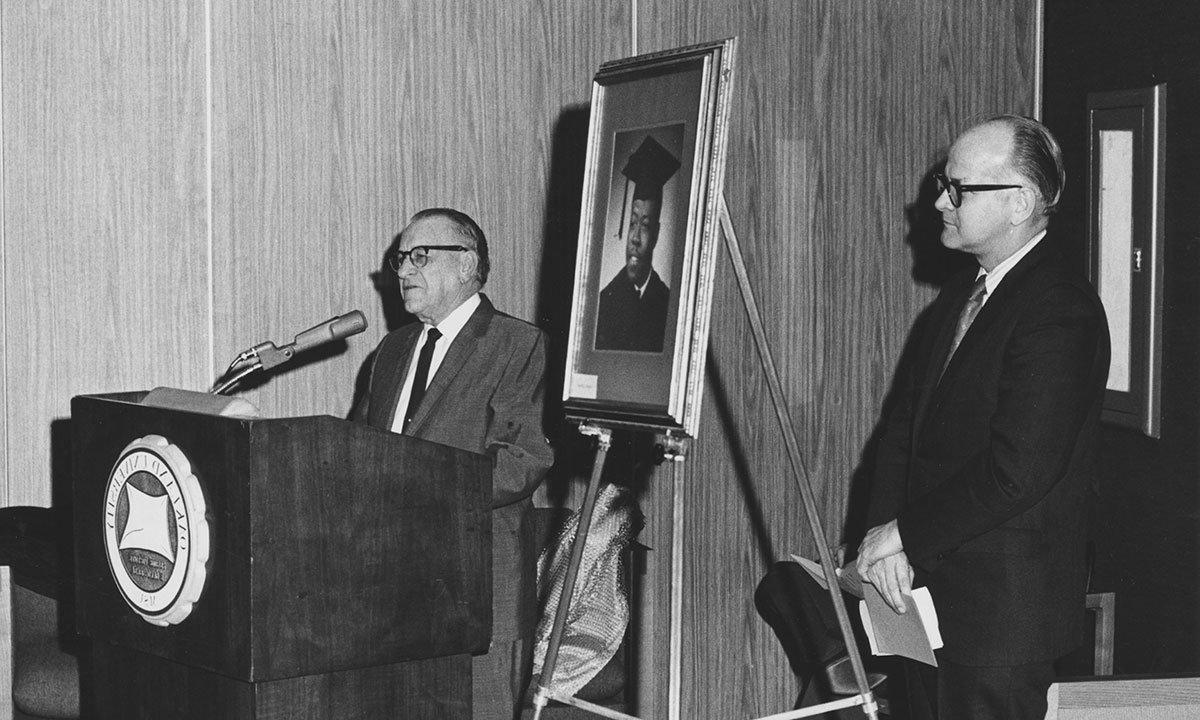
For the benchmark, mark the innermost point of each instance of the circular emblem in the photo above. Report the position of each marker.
(155, 533)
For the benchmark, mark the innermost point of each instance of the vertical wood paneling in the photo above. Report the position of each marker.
(6, 669)
(841, 109)
(104, 258)
(332, 122)
(335, 121)
(304, 172)
(103, 276)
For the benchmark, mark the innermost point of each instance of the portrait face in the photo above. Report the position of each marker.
(432, 292)
(640, 238)
(982, 224)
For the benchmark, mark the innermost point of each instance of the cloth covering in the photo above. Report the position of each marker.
(599, 611)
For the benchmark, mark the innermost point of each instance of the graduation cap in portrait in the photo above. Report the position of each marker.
(647, 170)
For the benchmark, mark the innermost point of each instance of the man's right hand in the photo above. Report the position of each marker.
(892, 577)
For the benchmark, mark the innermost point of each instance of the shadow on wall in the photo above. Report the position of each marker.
(387, 286)
(932, 265)
(574, 453)
(633, 454)
(742, 467)
(560, 235)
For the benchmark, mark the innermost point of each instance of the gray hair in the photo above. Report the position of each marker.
(469, 231)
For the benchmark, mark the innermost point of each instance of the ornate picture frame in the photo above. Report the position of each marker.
(648, 238)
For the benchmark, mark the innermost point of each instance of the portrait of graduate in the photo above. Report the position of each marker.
(981, 477)
(468, 376)
(632, 312)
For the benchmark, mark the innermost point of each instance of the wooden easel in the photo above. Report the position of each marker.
(865, 697)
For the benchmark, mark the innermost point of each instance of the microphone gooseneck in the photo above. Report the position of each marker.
(266, 356)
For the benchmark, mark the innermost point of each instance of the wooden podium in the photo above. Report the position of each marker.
(348, 570)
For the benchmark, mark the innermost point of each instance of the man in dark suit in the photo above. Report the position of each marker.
(632, 313)
(983, 468)
(471, 377)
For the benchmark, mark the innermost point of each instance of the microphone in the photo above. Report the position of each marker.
(335, 328)
(265, 355)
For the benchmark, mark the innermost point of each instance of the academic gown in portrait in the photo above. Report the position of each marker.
(487, 398)
(988, 469)
(627, 321)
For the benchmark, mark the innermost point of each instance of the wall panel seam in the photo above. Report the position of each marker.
(1039, 57)
(5, 490)
(208, 186)
(633, 26)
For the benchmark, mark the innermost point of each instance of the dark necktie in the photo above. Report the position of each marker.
(421, 379)
(967, 316)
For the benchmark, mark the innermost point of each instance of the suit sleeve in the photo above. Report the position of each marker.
(515, 438)
(888, 479)
(1051, 376)
(360, 408)
(889, 472)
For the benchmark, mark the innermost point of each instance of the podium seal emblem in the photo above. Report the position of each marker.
(155, 533)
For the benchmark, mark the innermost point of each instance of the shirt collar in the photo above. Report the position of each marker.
(450, 326)
(992, 281)
(641, 289)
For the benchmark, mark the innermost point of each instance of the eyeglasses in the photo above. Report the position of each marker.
(954, 189)
(419, 255)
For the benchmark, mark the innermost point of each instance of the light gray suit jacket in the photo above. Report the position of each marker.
(487, 398)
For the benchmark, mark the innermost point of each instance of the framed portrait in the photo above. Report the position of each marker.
(648, 239)
(1126, 161)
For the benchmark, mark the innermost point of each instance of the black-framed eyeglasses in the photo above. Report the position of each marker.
(419, 255)
(954, 189)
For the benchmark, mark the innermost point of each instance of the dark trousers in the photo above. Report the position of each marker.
(951, 691)
(802, 616)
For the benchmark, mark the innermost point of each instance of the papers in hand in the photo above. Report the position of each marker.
(847, 577)
(914, 634)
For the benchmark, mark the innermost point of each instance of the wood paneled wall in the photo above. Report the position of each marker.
(841, 110)
(183, 181)
(179, 185)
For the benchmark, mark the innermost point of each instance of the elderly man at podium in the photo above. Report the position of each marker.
(471, 377)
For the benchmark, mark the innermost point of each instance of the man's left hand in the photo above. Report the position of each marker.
(893, 578)
(880, 542)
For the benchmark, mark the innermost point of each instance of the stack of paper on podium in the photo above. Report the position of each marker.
(913, 634)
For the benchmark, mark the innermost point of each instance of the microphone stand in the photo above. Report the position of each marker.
(263, 356)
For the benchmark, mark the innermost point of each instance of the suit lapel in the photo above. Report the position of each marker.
(945, 324)
(1008, 290)
(461, 350)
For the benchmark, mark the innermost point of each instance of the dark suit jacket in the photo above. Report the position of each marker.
(486, 397)
(988, 470)
(625, 321)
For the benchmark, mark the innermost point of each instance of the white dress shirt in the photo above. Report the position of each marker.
(449, 328)
(992, 281)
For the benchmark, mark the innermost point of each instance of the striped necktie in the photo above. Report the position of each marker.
(967, 316)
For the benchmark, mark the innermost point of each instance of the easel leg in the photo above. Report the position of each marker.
(870, 707)
(545, 682)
